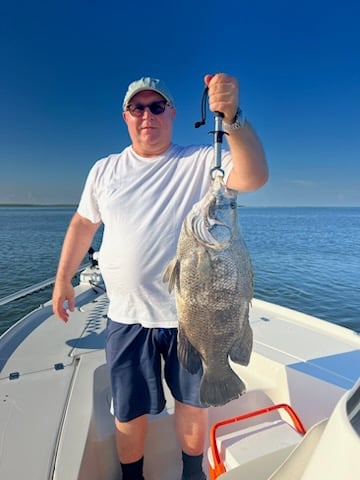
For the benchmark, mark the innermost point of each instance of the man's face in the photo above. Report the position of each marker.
(150, 133)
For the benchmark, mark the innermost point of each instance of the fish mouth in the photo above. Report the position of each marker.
(200, 228)
(206, 224)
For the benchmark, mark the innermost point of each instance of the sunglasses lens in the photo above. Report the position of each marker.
(156, 108)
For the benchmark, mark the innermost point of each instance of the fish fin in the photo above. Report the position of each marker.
(188, 356)
(171, 273)
(222, 389)
(241, 350)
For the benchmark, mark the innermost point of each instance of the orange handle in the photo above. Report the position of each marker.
(218, 464)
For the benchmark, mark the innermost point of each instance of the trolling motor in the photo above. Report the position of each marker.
(218, 134)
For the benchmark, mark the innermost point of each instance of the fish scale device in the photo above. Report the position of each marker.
(212, 277)
(218, 134)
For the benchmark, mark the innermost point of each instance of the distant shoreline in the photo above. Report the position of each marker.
(74, 205)
(38, 205)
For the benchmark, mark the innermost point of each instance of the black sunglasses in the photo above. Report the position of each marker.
(156, 108)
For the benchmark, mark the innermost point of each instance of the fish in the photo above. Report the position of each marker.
(212, 277)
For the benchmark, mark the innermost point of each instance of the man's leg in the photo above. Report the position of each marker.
(191, 428)
(130, 442)
(133, 363)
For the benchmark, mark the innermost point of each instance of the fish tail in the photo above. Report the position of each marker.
(222, 389)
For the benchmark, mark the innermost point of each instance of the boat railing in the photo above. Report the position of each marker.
(34, 288)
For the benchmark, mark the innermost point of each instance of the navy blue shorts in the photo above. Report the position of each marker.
(133, 355)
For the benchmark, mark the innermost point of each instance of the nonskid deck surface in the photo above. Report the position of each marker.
(38, 360)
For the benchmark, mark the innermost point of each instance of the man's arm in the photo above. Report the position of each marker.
(249, 170)
(77, 241)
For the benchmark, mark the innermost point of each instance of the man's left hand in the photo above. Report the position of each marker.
(223, 95)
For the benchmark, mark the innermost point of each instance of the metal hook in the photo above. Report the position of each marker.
(216, 171)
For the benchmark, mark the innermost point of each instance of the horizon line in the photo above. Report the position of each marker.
(22, 204)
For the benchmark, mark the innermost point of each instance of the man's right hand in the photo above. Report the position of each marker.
(63, 300)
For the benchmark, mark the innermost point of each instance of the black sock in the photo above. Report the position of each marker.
(132, 471)
(192, 467)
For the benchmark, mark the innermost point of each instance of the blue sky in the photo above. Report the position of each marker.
(65, 66)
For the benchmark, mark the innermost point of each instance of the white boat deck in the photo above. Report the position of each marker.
(55, 396)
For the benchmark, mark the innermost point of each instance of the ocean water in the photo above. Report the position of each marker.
(304, 258)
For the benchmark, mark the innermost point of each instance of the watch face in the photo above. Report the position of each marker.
(239, 121)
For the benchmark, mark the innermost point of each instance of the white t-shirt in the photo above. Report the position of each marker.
(142, 203)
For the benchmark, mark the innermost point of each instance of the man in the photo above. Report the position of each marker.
(142, 196)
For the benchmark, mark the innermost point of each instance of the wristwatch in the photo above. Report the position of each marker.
(238, 122)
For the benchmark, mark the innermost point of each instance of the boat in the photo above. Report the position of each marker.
(300, 417)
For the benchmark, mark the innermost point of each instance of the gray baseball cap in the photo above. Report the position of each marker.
(147, 83)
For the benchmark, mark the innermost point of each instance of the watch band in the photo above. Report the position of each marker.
(238, 122)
